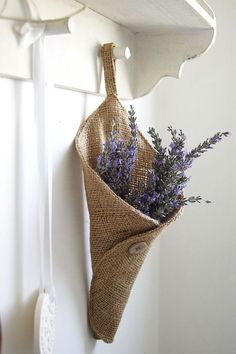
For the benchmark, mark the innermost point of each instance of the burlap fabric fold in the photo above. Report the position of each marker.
(120, 235)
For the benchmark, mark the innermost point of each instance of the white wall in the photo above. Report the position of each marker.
(184, 299)
(197, 263)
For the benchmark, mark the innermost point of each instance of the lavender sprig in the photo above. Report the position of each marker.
(206, 145)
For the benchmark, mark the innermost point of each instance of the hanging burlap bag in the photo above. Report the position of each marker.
(120, 235)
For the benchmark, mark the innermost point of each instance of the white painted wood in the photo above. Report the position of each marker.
(60, 27)
(161, 34)
(167, 52)
(148, 15)
(121, 53)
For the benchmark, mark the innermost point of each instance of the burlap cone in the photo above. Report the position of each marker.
(120, 235)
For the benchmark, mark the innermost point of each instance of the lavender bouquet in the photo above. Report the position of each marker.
(161, 192)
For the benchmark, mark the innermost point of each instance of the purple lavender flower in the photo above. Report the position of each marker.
(116, 162)
(162, 191)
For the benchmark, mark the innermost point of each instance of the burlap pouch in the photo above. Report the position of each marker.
(120, 235)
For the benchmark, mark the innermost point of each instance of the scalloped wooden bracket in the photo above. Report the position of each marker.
(161, 34)
(166, 55)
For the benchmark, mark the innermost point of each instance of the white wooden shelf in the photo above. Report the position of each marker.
(161, 34)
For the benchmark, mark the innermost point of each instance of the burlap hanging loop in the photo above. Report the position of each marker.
(109, 65)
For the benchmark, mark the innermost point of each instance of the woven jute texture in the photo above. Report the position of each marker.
(115, 226)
